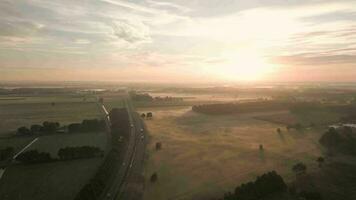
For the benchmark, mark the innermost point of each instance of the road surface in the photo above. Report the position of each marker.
(132, 166)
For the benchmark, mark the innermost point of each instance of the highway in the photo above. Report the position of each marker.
(123, 181)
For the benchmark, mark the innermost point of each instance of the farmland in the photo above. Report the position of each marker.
(54, 180)
(203, 156)
(37, 109)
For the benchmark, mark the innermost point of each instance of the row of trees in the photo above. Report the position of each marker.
(45, 128)
(271, 183)
(140, 97)
(69, 153)
(148, 115)
(342, 140)
(87, 125)
(6, 153)
(33, 156)
(265, 185)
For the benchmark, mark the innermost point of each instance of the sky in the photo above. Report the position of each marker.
(178, 40)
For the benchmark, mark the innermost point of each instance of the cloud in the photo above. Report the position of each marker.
(131, 31)
(82, 41)
(177, 34)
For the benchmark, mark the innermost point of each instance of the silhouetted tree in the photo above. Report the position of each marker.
(34, 156)
(149, 115)
(36, 128)
(50, 127)
(320, 161)
(261, 147)
(158, 146)
(154, 177)
(24, 131)
(279, 130)
(299, 168)
(265, 185)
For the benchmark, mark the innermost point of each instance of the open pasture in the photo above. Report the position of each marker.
(52, 143)
(55, 181)
(204, 156)
(37, 109)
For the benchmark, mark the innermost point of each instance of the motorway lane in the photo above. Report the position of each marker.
(133, 160)
(134, 185)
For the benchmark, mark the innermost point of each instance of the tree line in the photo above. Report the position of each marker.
(341, 140)
(269, 186)
(46, 128)
(67, 153)
(265, 185)
(140, 97)
(87, 125)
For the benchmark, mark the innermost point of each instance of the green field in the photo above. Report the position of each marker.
(204, 156)
(53, 143)
(57, 180)
(54, 181)
(113, 100)
(37, 109)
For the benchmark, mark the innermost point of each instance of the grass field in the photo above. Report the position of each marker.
(53, 143)
(54, 181)
(35, 110)
(307, 118)
(204, 156)
(57, 180)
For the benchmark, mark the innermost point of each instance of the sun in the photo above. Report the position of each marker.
(245, 67)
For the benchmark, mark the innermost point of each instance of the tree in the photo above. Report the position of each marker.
(261, 147)
(33, 156)
(23, 131)
(143, 115)
(158, 146)
(320, 161)
(279, 130)
(50, 127)
(36, 128)
(149, 115)
(299, 168)
(154, 177)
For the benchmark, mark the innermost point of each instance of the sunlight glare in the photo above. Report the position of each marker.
(245, 67)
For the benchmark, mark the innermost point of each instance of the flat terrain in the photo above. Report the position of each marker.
(58, 180)
(37, 109)
(306, 118)
(53, 143)
(204, 156)
(54, 181)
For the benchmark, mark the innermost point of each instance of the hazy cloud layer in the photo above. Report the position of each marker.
(199, 39)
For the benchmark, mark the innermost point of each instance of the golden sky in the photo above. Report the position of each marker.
(178, 40)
